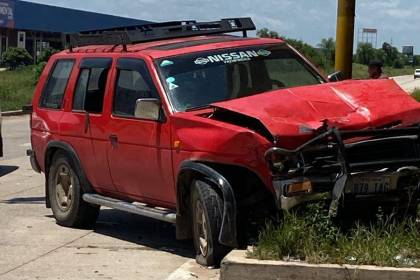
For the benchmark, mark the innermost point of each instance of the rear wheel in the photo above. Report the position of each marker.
(207, 211)
(65, 195)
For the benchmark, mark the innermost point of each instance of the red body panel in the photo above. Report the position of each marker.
(293, 113)
(144, 164)
(203, 139)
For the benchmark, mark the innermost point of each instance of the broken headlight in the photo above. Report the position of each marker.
(282, 162)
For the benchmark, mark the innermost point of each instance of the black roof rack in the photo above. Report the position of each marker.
(157, 31)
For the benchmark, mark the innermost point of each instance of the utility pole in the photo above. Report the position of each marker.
(345, 37)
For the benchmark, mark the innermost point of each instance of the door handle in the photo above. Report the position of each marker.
(114, 140)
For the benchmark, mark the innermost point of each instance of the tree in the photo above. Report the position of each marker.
(391, 54)
(15, 57)
(46, 54)
(365, 53)
(265, 33)
(327, 46)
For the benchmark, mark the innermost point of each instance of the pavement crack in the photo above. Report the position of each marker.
(45, 254)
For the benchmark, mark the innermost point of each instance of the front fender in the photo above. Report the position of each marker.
(228, 231)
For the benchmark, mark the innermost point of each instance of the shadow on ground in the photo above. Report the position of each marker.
(25, 200)
(154, 234)
(143, 231)
(6, 169)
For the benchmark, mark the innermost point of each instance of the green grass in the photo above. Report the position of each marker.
(316, 239)
(16, 88)
(416, 94)
(360, 71)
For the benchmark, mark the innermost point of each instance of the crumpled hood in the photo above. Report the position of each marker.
(345, 105)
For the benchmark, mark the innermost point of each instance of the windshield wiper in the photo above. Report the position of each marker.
(189, 109)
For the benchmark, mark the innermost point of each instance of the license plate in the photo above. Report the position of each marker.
(371, 184)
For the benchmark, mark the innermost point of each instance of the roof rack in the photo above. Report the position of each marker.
(157, 31)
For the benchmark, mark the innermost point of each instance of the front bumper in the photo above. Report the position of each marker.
(286, 202)
(332, 159)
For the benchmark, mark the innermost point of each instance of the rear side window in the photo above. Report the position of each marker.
(91, 85)
(52, 96)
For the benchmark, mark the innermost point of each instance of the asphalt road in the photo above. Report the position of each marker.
(121, 246)
(408, 83)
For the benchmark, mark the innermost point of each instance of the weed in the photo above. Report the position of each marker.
(16, 88)
(310, 235)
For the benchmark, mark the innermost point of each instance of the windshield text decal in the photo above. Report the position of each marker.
(231, 57)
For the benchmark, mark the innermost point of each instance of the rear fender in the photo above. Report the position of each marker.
(52, 148)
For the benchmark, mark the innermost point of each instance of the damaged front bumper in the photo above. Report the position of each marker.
(336, 164)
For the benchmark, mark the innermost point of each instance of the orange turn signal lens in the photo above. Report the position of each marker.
(177, 144)
(299, 188)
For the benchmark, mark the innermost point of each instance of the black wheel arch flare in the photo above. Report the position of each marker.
(228, 231)
(54, 146)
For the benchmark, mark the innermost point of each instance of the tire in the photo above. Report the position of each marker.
(207, 212)
(65, 194)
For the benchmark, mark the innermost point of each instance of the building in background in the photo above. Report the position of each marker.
(36, 26)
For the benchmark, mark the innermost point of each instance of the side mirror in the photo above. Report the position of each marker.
(148, 109)
(336, 77)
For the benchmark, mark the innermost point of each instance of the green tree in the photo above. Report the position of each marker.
(317, 57)
(417, 60)
(15, 57)
(327, 46)
(391, 54)
(265, 33)
(46, 54)
(365, 53)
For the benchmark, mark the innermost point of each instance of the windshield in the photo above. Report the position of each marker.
(199, 79)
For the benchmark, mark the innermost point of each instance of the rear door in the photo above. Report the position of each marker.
(85, 118)
(139, 151)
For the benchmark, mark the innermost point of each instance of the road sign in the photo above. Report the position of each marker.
(408, 50)
(7, 13)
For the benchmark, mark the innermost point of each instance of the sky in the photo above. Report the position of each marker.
(397, 21)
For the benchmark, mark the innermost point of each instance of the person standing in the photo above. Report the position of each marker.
(375, 70)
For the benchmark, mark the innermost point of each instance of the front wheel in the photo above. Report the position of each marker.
(207, 214)
(65, 194)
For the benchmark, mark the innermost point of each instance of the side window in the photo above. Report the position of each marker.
(90, 90)
(52, 96)
(80, 93)
(133, 83)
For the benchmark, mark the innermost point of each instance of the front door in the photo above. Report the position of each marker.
(139, 152)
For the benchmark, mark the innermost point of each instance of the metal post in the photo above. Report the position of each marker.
(345, 37)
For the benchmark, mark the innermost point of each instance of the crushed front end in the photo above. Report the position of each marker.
(372, 164)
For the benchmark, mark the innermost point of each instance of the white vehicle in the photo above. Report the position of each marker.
(416, 74)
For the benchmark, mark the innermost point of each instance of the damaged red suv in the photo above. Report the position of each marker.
(183, 123)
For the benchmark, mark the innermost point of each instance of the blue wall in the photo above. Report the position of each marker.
(32, 16)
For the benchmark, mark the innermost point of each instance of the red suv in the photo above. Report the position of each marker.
(182, 123)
